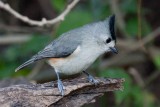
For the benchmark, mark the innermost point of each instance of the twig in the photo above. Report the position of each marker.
(139, 15)
(139, 19)
(78, 92)
(137, 77)
(151, 78)
(22, 29)
(151, 36)
(10, 39)
(43, 22)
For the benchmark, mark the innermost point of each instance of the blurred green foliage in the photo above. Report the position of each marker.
(130, 7)
(157, 61)
(132, 95)
(58, 5)
(17, 54)
(92, 10)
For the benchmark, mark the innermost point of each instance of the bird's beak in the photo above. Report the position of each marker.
(114, 50)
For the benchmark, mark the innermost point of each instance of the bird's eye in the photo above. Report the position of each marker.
(108, 40)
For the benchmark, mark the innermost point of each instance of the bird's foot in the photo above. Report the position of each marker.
(60, 87)
(92, 80)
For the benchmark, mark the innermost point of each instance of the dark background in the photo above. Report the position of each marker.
(137, 29)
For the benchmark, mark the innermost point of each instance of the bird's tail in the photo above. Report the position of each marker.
(25, 64)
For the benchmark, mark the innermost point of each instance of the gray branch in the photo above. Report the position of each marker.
(77, 93)
(44, 21)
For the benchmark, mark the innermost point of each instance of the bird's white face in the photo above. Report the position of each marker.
(110, 45)
(107, 43)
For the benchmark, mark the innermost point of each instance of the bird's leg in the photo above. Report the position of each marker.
(60, 84)
(91, 78)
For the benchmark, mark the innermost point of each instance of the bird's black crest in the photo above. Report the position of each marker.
(111, 27)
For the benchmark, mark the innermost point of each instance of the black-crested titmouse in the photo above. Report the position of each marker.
(74, 51)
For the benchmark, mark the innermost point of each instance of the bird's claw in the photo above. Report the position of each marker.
(92, 80)
(61, 87)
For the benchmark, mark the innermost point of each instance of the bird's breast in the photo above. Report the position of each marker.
(78, 61)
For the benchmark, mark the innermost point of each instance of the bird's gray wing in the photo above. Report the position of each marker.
(59, 48)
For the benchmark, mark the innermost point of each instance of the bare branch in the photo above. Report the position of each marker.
(23, 29)
(137, 77)
(78, 92)
(43, 22)
(11, 39)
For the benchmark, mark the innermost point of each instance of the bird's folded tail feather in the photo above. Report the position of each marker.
(25, 64)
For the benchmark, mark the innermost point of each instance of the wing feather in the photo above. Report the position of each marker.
(58, 48)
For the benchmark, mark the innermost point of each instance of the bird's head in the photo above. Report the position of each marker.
(106, 34)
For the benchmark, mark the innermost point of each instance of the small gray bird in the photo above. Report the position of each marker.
(74, 51)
